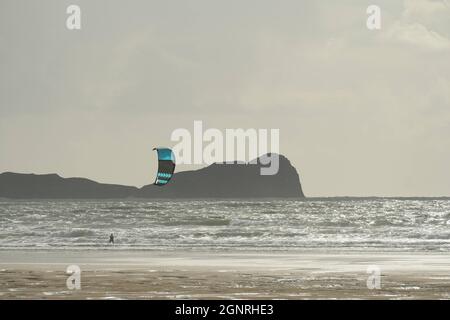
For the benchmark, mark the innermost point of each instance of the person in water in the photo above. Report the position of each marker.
(111, 238)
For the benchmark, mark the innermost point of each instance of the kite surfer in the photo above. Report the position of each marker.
(111, 239)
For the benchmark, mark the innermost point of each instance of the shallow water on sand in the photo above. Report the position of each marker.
(355, 224)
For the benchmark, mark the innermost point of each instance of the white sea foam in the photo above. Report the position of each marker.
(403, 224)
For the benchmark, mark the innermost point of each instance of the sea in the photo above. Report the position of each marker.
(335, 224)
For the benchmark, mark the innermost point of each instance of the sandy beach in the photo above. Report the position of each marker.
(115, 274)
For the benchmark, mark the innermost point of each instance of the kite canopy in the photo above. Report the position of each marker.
(166, 166)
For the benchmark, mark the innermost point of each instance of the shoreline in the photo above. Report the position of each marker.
(119, 274)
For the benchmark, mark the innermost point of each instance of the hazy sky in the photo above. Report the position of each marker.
(360, 112)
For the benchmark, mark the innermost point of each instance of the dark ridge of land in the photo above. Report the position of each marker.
(235, 180)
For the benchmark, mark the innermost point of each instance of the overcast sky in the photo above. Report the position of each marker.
(360, 112)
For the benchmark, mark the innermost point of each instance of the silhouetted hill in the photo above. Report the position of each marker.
(215, 181)
(238, 180)
(52, 186)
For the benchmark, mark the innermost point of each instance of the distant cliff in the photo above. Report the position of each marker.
(230, 181)
(214, 181)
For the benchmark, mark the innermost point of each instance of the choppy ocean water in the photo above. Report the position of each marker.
(335, 223)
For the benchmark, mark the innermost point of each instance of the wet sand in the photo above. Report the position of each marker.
(116, 274)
